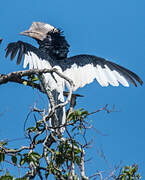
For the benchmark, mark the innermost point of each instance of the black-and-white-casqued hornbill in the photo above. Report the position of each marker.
(81, 69)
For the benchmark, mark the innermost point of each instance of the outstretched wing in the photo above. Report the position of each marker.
(83, 69)
(31, 55)
(36, 59)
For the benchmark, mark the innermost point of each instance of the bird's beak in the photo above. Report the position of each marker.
(25, 33)
(33, 34)
(28, 33)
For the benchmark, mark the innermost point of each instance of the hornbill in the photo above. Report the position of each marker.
(81, 69)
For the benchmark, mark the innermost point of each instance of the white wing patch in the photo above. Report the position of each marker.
(120, 78)
(80, 75)
(83, 75)
(110, 76)
(26, 60)
(34, 62)
(101, 77)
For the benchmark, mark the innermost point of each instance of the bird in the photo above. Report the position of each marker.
(82, 69)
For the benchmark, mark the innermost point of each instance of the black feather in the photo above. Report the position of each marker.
(122, 71)
(14, 52)
(135, 76)
(20, 54)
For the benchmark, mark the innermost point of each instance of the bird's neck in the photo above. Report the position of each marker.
(45, 46)
(55, 46)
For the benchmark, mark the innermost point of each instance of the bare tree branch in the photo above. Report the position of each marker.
(16, 77)
(82, 167)
(4, 78)
(13, 151)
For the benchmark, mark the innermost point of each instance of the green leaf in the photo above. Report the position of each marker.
(2, 143)
(35, 79)
(138, 176)
(75, 177)
(57, 152)
(35, 155)
(77, 151)
(80, 128)
(32, 129)
(84, 114)
(77, 160)
(39, 123)
(78, 112)
(7, 177)
(14, 159)
(25, 83)
(2, 156)
(47, 174)
(22, 161)
(70, 115)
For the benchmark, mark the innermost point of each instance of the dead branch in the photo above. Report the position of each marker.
(13, 151)
(17, 77)
(4, 78)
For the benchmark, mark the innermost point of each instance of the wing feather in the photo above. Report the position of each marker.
(13, 54)
(10, 48)
(25, 49)
(119, 76)
(132, 74)
(100, 76)
(20, 54)
(82, 76)
(31, 64)
(83, 69)
(112, 80)
(34, 60)
(26, 60)
(125, 73)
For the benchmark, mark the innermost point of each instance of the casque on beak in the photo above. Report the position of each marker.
(39, 30)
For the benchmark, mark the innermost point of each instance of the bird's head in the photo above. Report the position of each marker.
(49, 38)
(39, 31)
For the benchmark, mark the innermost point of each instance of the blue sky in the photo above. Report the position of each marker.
(111, 29)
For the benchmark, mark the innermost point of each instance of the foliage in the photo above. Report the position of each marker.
(49, 153)
(129, 173)
(62, 157)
